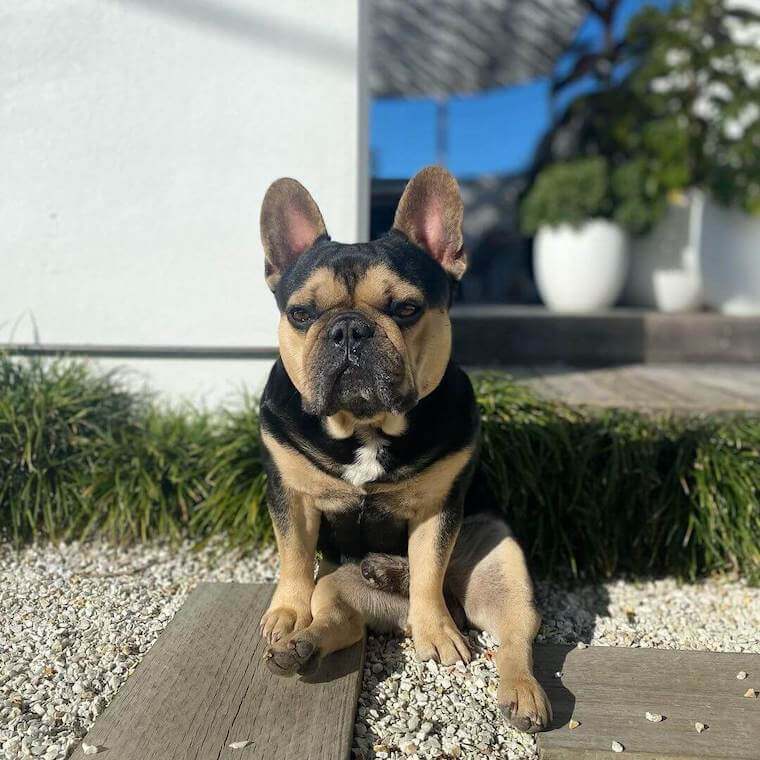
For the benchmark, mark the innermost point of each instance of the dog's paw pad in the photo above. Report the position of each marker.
(298, 656)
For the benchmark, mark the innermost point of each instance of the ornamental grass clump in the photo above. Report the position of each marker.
(56, 421)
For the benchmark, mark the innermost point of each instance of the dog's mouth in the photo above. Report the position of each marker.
(364, 391)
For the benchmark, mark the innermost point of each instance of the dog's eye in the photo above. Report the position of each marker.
(299, 316)
(405, 310)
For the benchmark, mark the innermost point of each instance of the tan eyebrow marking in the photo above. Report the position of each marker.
(380, 284)
(323, 289)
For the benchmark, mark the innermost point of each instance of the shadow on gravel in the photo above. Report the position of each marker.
(569, 616)
(337, 665)
(548, 660)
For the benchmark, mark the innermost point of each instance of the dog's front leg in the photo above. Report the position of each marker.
(432, 534)
(296, 528)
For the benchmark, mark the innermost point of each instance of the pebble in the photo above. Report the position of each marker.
(751, 693)
(80, 617)
(240, 745)
(700, 727)
(573, 724)
(88, 749)
(653, 717)
(617, 747)
(741, 675)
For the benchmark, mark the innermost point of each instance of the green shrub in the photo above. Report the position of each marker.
(589, 495)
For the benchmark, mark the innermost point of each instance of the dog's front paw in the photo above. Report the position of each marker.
(295, 655)
(524, 703)
(436, 637)
(280, 621)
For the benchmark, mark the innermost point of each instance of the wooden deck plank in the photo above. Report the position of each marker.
(203, 685)
(609, 690)
(630, 389)
(695, 390)
(573, 386)
(742, 382)
(677, 388)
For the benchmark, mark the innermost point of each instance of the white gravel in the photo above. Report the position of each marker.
(77, 619)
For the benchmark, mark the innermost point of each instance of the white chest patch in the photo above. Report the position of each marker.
(366, 465)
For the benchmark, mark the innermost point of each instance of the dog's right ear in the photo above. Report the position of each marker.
(290, 224)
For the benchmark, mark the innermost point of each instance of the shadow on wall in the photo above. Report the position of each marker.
(250, 26)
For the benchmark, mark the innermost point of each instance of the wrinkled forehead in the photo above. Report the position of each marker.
(335, 275)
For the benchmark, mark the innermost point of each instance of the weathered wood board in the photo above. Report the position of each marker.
(609, 690)
(678, 388)
(204, 685)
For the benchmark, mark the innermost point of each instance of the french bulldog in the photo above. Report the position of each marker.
(370, 436)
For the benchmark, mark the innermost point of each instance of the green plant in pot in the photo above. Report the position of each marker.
(586, 192)
(580, 252)
(652, 202)
(681, 120)
(698, 69)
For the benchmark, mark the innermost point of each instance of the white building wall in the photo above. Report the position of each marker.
(137, 138)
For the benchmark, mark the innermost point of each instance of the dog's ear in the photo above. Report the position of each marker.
(430, 215)
(290, 224)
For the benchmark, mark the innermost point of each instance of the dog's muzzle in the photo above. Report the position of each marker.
(357, 369)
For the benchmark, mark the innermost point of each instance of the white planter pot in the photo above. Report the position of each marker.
(583, 268)
(664, 271)
(730, 257)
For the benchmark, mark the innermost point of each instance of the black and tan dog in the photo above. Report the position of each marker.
(371, 449)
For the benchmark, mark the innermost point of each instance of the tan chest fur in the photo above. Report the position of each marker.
(420, 492)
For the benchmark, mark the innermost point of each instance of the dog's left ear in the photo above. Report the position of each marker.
(430, 215)
(290, 224)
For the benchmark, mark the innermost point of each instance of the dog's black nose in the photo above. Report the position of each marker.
(350, 331)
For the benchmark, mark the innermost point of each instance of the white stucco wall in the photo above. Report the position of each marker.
(137, 138)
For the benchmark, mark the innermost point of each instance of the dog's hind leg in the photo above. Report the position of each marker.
(341, 605)
(390, 573)
(488, 574)
(488, 577)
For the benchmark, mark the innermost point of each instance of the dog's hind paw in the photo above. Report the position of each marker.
(386, 572)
